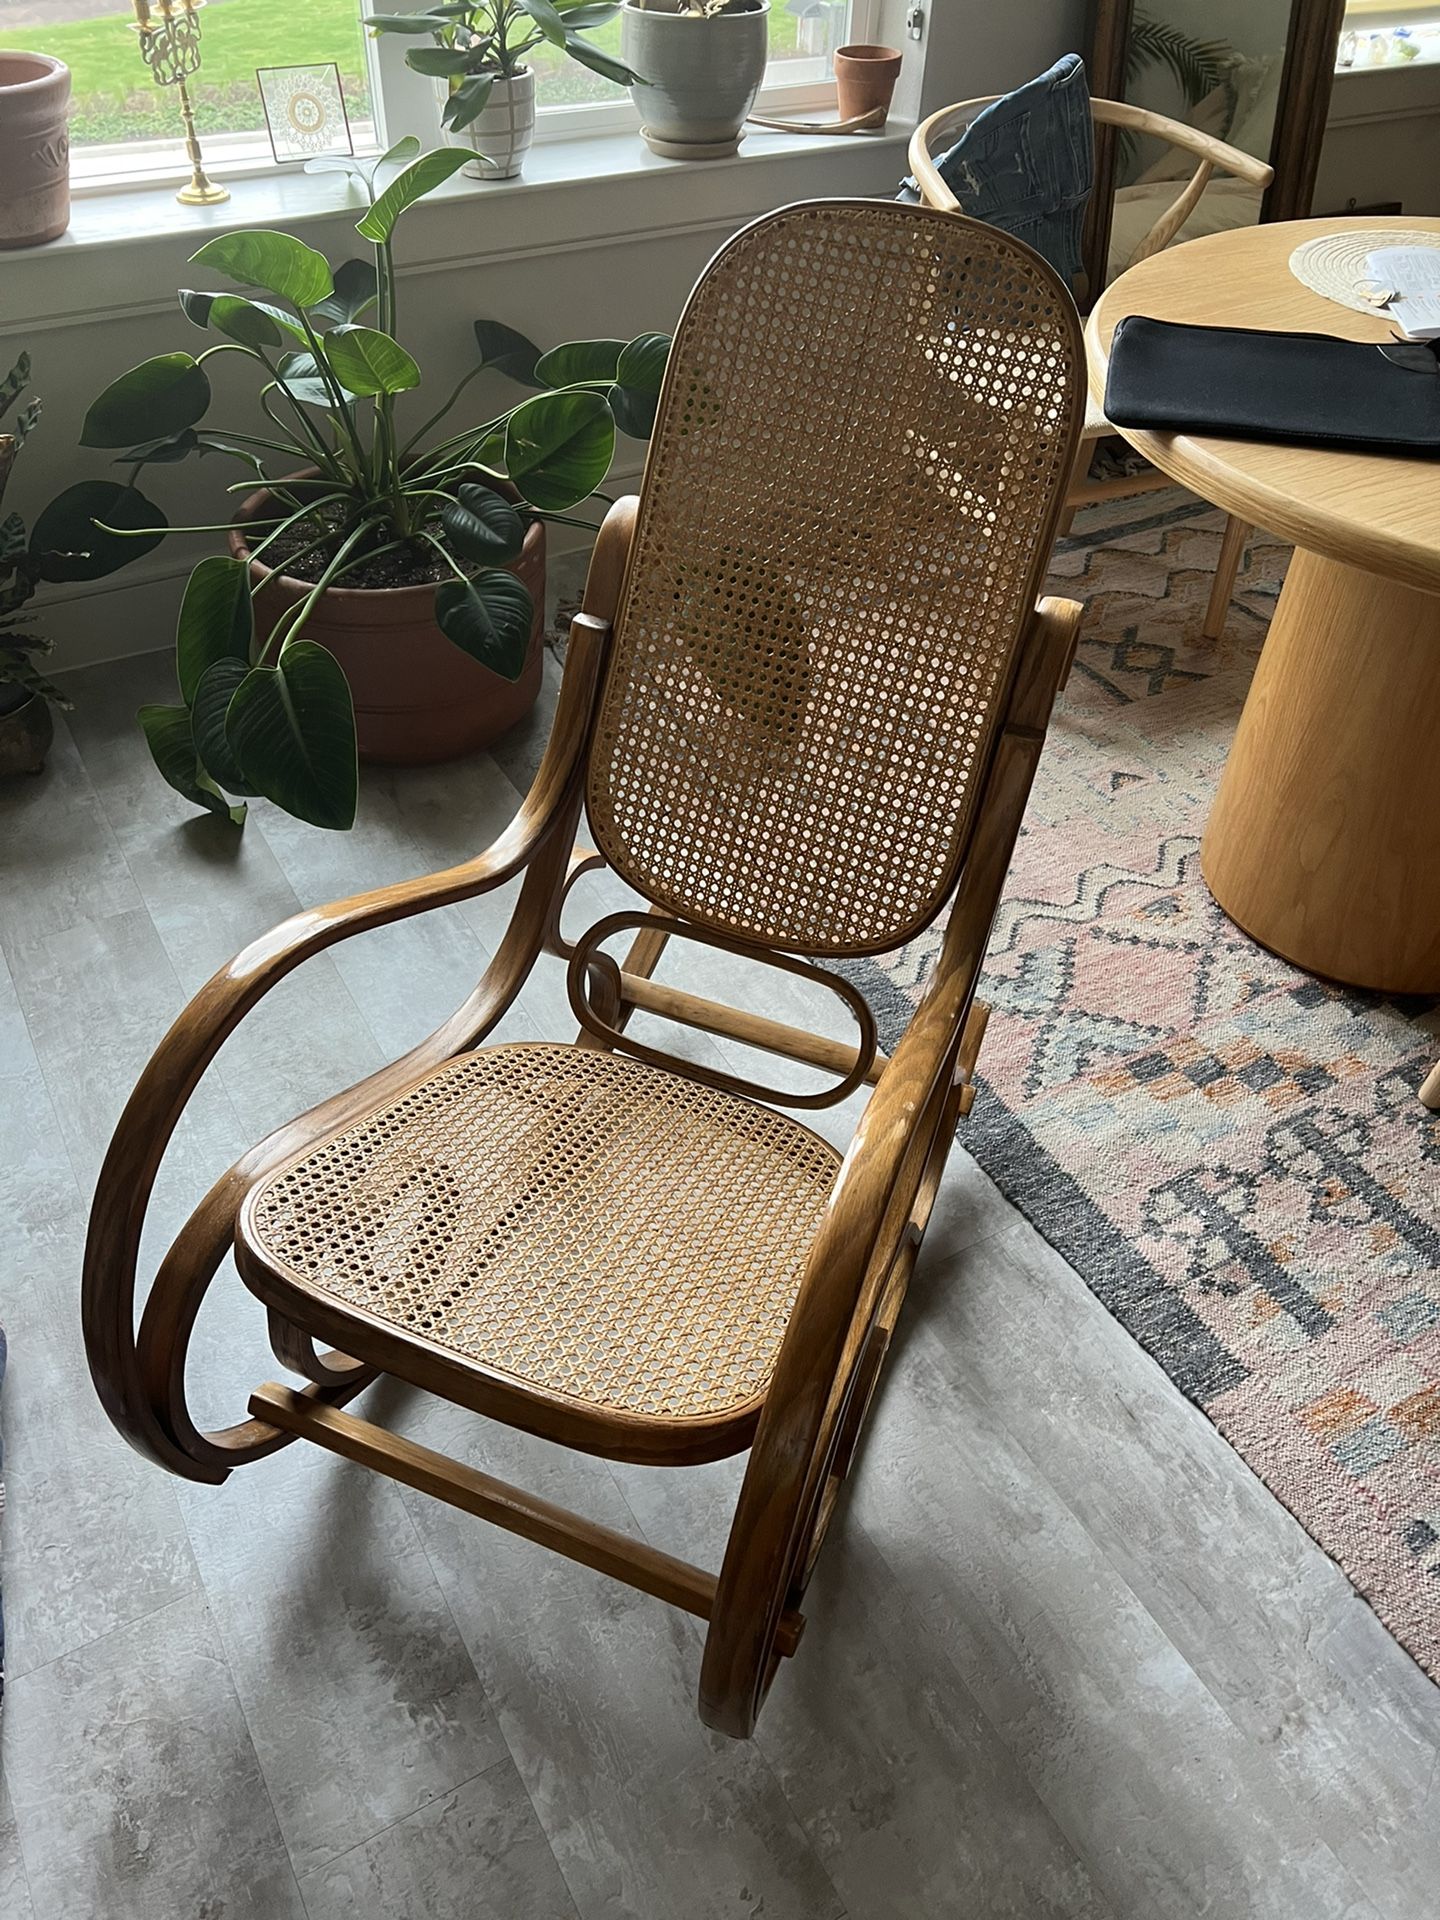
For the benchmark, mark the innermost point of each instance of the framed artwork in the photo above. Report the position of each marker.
(305, 111)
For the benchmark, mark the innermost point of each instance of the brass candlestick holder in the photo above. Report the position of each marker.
(170, 47)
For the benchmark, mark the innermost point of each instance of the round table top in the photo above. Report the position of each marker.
(1380, 511)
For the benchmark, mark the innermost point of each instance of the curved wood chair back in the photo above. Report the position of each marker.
(1212, 156)
(859, 460)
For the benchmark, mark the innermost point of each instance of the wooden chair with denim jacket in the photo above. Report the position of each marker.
(1212, 156)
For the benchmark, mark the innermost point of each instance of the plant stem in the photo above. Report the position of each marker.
(417, 437)
(312, 599)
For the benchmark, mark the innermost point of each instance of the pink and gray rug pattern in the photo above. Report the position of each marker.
(1229, 1152)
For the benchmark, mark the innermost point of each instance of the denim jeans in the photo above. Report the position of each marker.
(1027, 162)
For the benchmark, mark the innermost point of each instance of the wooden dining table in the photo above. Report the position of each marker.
(1324, 839)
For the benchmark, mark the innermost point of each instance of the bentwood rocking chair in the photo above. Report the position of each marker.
(802, 707)
(1211, 156)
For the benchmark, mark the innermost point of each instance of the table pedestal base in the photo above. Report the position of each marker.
(1324, 841)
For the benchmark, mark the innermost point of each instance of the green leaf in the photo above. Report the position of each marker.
(171, 741)
(69, 546)
(215, 620)
(579, 360)
(440, 62)
(14, 384)
(508, 351)
(303, 380)
(232, 314)
(160, 453)
(209, 707)
(292, 728)
(276, 261)
(405, 23)
(634, 397)
(356, 289)
(558, 447)
(586, 13)
(547, 20)
(155, 399)
(418, 179)
(467, 102)
(490, 618)
(604, 64)
(12, 538)
(482, 527)
(368, 362)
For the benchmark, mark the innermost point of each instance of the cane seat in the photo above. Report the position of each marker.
(586, 1226)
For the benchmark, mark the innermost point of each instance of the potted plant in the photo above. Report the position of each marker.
(400, 552)
(478, 64)
(26, 728)
(703, 62)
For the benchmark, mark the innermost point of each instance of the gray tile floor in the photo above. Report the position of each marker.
(1067, 1656)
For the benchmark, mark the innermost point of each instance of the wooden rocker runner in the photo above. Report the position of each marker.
(802, 707)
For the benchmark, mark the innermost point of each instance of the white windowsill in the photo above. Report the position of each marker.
(149, 212)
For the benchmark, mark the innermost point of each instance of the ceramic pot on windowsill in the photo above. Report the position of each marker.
(501, 134)
(34, 149)
(703, 73)
(418, 698)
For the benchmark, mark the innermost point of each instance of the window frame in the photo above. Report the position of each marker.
(403, 103)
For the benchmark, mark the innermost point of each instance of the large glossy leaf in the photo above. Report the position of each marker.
(233, 314)
(508, 351)
(302, 380)
(157, 398)
(586, 13)
(276, 261)
(482, 527)
(418, 179)
(491, 618)
(292, 728)
(171, 740)
(368, 362)
(68, 545)
(215, 621)
(558, 447)
(579, 360)
(160, 453)
(638, 377)
(209, 710)
(356, 290)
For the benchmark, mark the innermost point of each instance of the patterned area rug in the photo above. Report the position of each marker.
(1230, 1153)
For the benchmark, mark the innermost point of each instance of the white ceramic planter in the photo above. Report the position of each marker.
(501, 135)
(34, 149)
(703, 75)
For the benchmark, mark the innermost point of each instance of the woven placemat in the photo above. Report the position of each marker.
(1333, 264)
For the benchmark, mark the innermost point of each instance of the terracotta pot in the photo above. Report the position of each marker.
(418, 698)
(25, 735)
(34, 149)
(865, 79)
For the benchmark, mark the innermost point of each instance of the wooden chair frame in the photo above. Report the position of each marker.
(803, 1437)
(1212, 156)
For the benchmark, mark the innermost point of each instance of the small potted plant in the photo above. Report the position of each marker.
(378, 573)
(26, 728)
(703, 62)
(477, 61)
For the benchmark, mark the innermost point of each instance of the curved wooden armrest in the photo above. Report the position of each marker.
(178, 1063)
(1111, 113)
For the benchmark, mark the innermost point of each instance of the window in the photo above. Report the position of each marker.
(125, 127)
(123, 124)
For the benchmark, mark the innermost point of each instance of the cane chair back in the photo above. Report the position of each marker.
(850, 496)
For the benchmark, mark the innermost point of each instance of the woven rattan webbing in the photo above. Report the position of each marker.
(620, 1235)
(863, 438)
